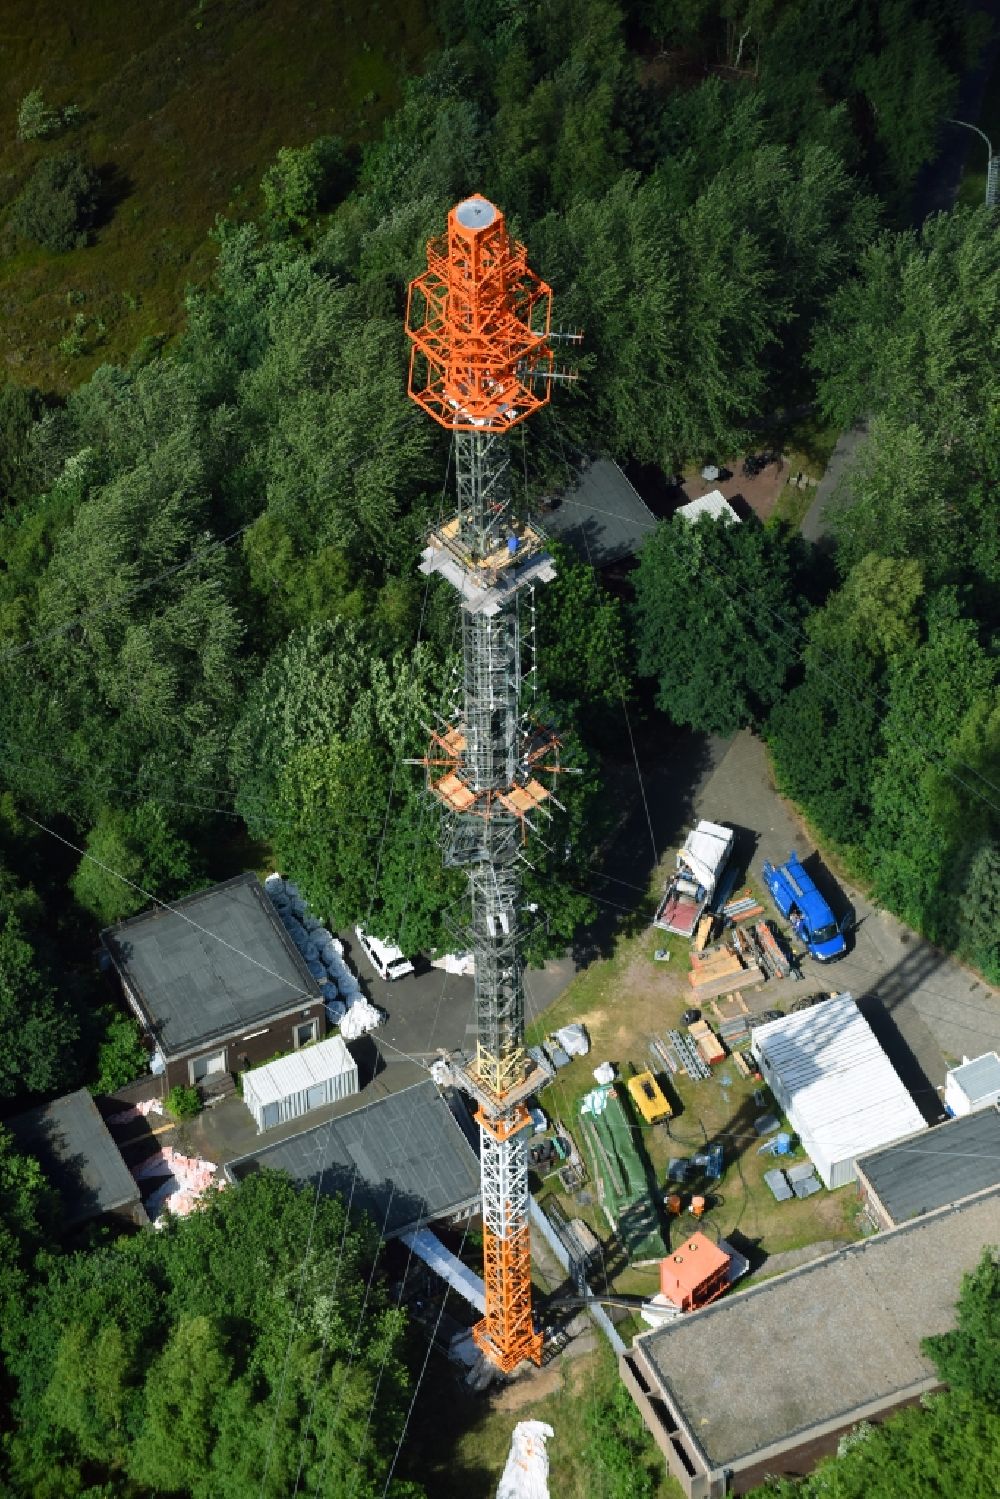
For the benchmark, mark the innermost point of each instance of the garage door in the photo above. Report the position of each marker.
(206, 1066)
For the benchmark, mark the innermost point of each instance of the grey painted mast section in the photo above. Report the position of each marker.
(491, 667)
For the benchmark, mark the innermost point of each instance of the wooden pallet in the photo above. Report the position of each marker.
(710, 988)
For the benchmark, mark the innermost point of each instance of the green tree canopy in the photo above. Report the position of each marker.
(37, 1032)
(968, 1357)
(138, 845)
(716, 618)
(126, 1368)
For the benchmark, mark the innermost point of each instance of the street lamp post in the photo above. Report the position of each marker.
(992, 165)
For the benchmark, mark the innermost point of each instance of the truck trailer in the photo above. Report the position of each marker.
(693, 884)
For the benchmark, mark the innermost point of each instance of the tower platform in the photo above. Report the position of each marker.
(485, 584)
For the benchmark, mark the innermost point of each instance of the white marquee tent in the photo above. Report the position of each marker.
(841, 1093)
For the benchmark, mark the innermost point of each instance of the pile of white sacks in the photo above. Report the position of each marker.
(323, 954)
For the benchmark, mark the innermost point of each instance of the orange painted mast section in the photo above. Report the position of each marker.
(479, 321)
(485, 327)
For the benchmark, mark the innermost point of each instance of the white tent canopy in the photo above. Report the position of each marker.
(714, 503)
(831, 1077)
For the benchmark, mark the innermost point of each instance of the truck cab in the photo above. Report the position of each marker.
(805, 909)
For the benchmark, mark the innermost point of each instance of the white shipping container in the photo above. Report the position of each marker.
(308, 1079)
(842, 1095)
(975, 1085)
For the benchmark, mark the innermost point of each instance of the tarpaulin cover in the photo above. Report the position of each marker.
(705, 851)
(360, 1018)
(526, 1475)
(574, 1040)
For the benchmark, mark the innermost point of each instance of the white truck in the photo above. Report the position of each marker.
(693, 884)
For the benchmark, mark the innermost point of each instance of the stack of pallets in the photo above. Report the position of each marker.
(707, 1042)
(731, 1015)
(719, 970)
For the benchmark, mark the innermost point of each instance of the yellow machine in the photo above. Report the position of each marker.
(649, 1098)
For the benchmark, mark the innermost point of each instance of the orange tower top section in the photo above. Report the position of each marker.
(480, 321)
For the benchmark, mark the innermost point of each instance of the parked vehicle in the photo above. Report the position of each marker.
(649, 1098)
(806, 910)
(700, 864)
(388, 961)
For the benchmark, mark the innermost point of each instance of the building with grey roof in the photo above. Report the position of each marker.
(602, 517)
(766, 1381)
(928, 1171)
(216, 982)
(402, 1159)
(74, 1147)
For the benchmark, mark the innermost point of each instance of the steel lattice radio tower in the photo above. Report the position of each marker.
(481, 362)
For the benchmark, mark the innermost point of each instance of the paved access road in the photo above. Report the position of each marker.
(431, 1011)
(927, 1010)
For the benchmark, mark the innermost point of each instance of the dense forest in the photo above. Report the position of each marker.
(215, 647)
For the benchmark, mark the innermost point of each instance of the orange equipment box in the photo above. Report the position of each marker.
(695, 1274)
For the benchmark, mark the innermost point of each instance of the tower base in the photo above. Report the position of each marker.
(508, 1359)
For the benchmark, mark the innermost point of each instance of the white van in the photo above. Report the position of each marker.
(387, 961)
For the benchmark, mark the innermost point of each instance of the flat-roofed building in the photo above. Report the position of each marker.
(216, 982)
(932, 1169)
(601, 516)
(403, 1159)
(74, 1147)
(974, 1085)
(766, 1381)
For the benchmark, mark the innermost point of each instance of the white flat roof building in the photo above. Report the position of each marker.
(842, 1095)
(714, 504)
(291, 1086)
(974, 1085)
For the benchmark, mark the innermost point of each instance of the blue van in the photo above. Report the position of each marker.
(806, 911)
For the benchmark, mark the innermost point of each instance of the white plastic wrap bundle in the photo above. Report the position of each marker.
(359, 1020)
(526, 1475)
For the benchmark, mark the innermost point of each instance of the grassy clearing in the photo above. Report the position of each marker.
(459, 1443)
(792, 506)
(807, 444)
(184, 108)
